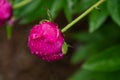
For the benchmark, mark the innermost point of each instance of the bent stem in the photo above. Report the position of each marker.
(21, 4)
(82, 15)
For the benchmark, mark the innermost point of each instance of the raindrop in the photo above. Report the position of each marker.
(37, 52)
(34, 36)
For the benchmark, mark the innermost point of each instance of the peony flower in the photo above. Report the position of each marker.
(46, 40)
(5, 11)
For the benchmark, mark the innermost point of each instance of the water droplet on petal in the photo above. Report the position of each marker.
(34, 36)
(37, 52)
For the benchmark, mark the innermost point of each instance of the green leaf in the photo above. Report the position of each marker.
(29, 12)
(27, 8)
(114, 75)
(108, 60)
(39, 12)
(96, 42)
(114, 10)
(35, 10)
(21, 4)
(68, 9)
(81, 75)
(97, 18)
(86, 37)
(56, 7)
(82, 5)
(83, 52)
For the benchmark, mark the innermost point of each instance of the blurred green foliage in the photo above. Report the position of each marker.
(100, 50)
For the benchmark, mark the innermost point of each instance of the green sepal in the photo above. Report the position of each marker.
(64, 48)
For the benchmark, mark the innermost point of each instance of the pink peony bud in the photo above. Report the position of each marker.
(46, 40)
(5, 11)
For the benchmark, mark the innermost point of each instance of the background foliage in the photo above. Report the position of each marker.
(98, 46)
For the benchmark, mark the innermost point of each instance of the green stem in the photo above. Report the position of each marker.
(82, 15)
(9, 31)
(22, 3)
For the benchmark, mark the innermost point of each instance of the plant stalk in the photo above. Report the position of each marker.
(21, 4)
(82, 15)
